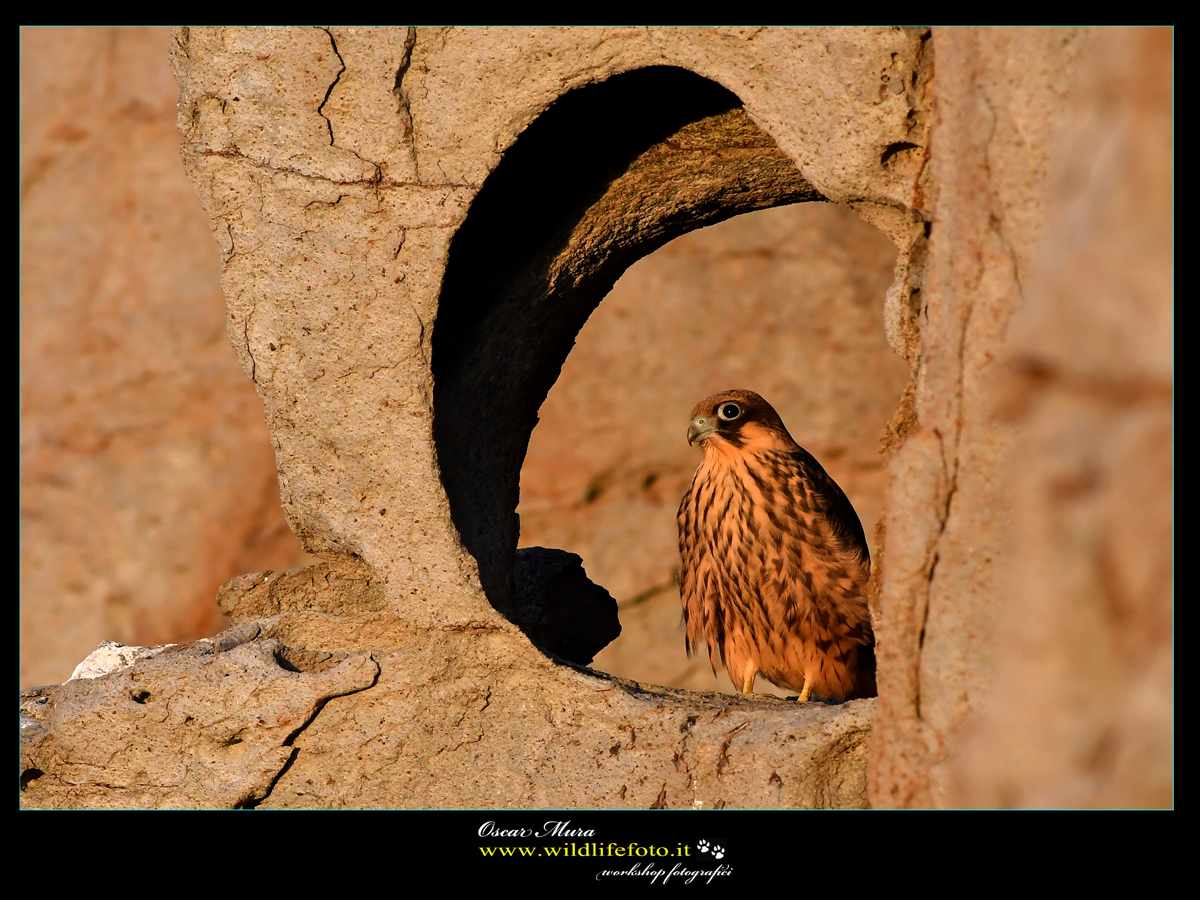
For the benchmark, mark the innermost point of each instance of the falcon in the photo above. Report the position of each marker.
(773, 560)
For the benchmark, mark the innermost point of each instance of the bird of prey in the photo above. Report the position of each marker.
(773, 560)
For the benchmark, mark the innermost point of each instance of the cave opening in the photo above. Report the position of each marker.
(605, 177)
(787, 302)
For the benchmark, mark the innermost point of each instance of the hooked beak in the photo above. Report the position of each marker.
(701, 428)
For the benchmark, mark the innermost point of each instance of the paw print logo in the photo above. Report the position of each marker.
(702, 846)
(718, 851)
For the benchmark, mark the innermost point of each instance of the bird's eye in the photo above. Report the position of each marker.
(729, 411)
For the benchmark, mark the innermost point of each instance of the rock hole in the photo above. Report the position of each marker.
(786, 301)
(299, 659)
(893, 150)
(606, 176)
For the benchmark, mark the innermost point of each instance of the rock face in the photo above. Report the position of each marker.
(207, 724)
(147, 477)
(1013, 575)
(415, 224)
(1082, 709)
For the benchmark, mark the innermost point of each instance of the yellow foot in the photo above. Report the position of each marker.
(748, 684)
(803, 698)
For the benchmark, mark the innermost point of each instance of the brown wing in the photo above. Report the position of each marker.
(830, 503)
(818, 565)
(847, 528)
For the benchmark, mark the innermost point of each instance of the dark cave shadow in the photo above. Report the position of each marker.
(608, 174)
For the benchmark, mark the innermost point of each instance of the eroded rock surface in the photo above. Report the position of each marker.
(147, 475)
(450, 718)
(198, 725)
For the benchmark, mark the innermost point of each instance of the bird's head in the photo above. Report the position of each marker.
(739, 421)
